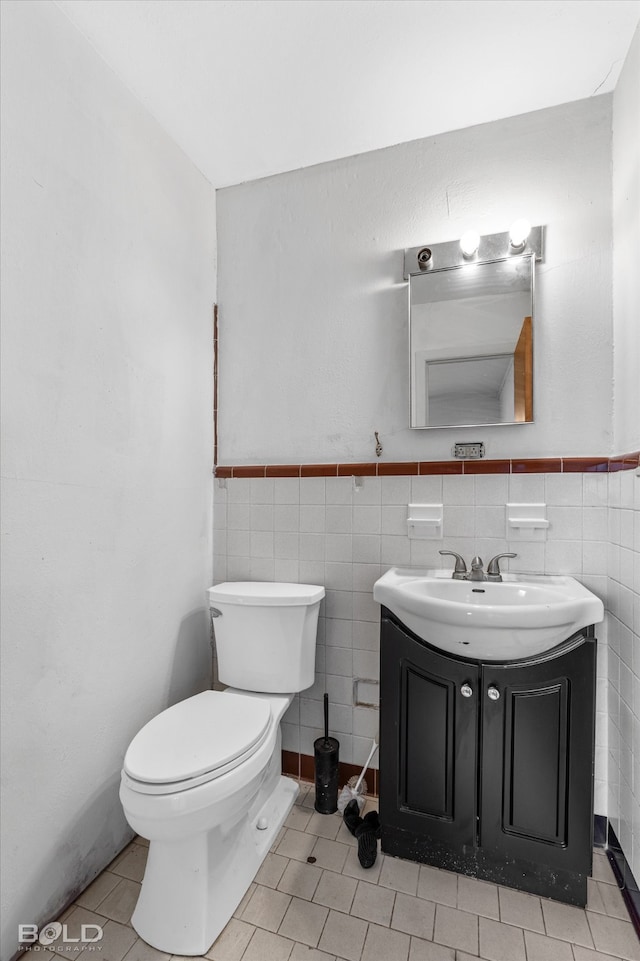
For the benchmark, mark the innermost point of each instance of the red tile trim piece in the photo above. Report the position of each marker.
(584, 464)
(319, 470)
(282, 470)
(303, 767)
(486, 466)
(249, 471)
(541, 465)
(389, 469)
(624, 462)
(357, 470)
(440, 467)
(291, 763)
(524, 465)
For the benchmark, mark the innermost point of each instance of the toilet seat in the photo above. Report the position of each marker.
(195, 741)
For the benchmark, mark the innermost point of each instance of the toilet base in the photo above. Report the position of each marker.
(192, 886)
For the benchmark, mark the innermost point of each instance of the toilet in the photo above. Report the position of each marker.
(203, 780)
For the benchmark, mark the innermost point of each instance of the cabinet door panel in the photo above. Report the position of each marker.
(537, 748)
(428, 740)
(535, 762)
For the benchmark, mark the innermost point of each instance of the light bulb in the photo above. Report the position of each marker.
(519, 232)
(469, 243)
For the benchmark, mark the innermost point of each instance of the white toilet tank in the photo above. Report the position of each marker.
(266, 634)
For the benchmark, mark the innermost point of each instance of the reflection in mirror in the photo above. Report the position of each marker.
(471, 342)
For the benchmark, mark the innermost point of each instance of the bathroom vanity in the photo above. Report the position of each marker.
(486, 766)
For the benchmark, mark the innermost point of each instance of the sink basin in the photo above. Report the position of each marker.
(524, 615)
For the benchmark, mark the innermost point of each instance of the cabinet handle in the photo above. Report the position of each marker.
(466, 690)
(493, 693)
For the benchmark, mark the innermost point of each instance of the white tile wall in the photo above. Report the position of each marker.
(623, 558)
(325, 531)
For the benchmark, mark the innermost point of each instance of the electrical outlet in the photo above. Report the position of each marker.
(469, 451)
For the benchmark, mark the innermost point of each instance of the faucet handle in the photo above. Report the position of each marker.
(460, 570)
(493, 568)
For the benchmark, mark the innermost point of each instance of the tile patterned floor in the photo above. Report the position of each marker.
(333, 910)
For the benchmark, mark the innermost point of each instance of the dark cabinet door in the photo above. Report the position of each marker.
(428, 743)
(537, 759)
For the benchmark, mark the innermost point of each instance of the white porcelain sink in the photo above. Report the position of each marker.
(524, 615)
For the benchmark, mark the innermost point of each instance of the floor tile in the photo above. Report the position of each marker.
(602, 869)
(501, 942)
(343, 936)
(399, 875)
(116, 941)
(354, 869)
(296, 844)
(266, 908)
(301, 879)
(439, 886)
(133, 864)
(521, 909)
(382, 944)
(271, 870)
(329, 854)
(373, 903)
(298, 818)
(73, 920)
(141, 951)
(304, 922)
(586, 954)
(324, 825)
(541, 948)
(613, 902)
(478, 897)
(413, 916)
(336, 891)
(567, 923)
(456, 929)
(245, 900)
(614, 937)
(231, 944)
(428, 951)
(302, 952)
(594, 898)
(98, 890)
(120, 903)
(266, 946)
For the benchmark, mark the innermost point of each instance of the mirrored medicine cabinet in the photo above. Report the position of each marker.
(471, 327)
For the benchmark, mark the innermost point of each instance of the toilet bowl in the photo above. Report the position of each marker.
(202, 780)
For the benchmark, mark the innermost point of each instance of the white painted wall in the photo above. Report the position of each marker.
(108, 280)
(313, 309)
(626, 244)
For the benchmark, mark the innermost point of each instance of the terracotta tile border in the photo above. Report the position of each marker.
(536, 465)
(302, 766)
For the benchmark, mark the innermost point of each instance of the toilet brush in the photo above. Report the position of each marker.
(356, 787)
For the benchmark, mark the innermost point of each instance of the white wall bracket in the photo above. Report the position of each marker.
(526, 522)
(425, 521)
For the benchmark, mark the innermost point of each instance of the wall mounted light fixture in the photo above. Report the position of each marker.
(469, 243)
(520, 239)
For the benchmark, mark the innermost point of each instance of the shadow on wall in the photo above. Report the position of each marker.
(192, 670)
(100, 830)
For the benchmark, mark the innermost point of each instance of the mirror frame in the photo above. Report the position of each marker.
(445, 256)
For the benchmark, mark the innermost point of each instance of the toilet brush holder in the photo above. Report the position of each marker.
(326, 756)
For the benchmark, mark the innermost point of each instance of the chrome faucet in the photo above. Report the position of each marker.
(476, 573)
(493, 569)
(460, 570)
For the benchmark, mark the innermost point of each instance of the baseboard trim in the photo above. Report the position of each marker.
(624, 876)
(302, 766)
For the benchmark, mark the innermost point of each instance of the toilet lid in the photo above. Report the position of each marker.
(197, 736)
